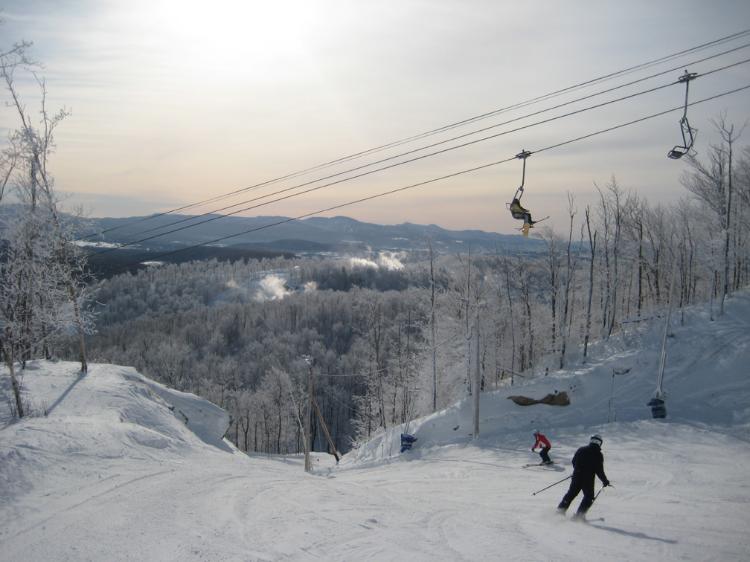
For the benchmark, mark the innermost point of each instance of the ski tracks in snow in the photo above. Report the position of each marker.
(450, 505)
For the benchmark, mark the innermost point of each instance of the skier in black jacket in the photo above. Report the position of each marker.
(587, 462)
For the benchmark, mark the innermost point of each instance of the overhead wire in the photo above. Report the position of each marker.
(550, 95)
(425, 147)
(421, 157)
(436, 179)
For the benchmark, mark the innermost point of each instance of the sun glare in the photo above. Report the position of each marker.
(232, 36)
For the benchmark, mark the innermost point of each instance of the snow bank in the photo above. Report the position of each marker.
(112, 413)
(205, 419)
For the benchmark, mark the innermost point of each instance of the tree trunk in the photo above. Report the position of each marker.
(10, 363)
(592, 248)
(727, 224)
(16, 391)
(512, 322)
(433, 330)
(615, 255)
(79, 328)
(568, 280)
(527, 301)
(640, 268)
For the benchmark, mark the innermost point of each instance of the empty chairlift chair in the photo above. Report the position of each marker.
(688, 133)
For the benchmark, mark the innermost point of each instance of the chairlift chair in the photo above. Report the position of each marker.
(517, 210)
(688, 133)
(515, 207)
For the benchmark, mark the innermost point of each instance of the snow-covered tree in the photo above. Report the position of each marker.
(41, 271)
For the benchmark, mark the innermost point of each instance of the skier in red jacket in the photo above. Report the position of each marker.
(544, 444)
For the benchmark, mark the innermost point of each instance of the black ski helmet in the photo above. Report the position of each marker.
(596, 439)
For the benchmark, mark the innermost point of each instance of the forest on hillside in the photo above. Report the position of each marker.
(390, 337)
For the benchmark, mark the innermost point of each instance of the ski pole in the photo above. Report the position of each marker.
(601, 490)
(555, 484)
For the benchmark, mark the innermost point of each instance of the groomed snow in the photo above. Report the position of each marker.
(114, 472)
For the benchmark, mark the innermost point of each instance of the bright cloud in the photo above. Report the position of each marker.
(391, 261)
(362, 262)
(271, 288)
(387, 260)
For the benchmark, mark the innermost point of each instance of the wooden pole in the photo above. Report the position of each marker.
(432, 328)
(296, 413)
(663, 357)
(308, 444)
(325, 430)
(477, 378)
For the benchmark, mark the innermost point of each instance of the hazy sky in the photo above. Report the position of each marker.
(175, 101)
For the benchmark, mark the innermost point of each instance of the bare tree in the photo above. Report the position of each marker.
(41, 271)
(729, 137)
(712, 182)
(569, 276)
(592, 250)
(510, 311)
(552, 263)
(433, 327)
(527, 358)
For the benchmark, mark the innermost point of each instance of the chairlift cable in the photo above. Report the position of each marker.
(464, 135)
(421, 157)
(433, 180)
(234, 205)
(679, 107)
(622, 72)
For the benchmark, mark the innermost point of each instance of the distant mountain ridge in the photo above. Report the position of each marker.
(312, 235)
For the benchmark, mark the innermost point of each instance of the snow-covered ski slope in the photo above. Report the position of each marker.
(706, 380)
(114, 472)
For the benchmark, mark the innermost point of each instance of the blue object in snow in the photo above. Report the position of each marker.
(658, 408)
(407, 441)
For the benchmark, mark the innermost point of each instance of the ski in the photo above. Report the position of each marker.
(536, 222)
(584, 520)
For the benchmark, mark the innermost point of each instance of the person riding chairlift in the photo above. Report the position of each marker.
(521, 213)
(516, 209)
